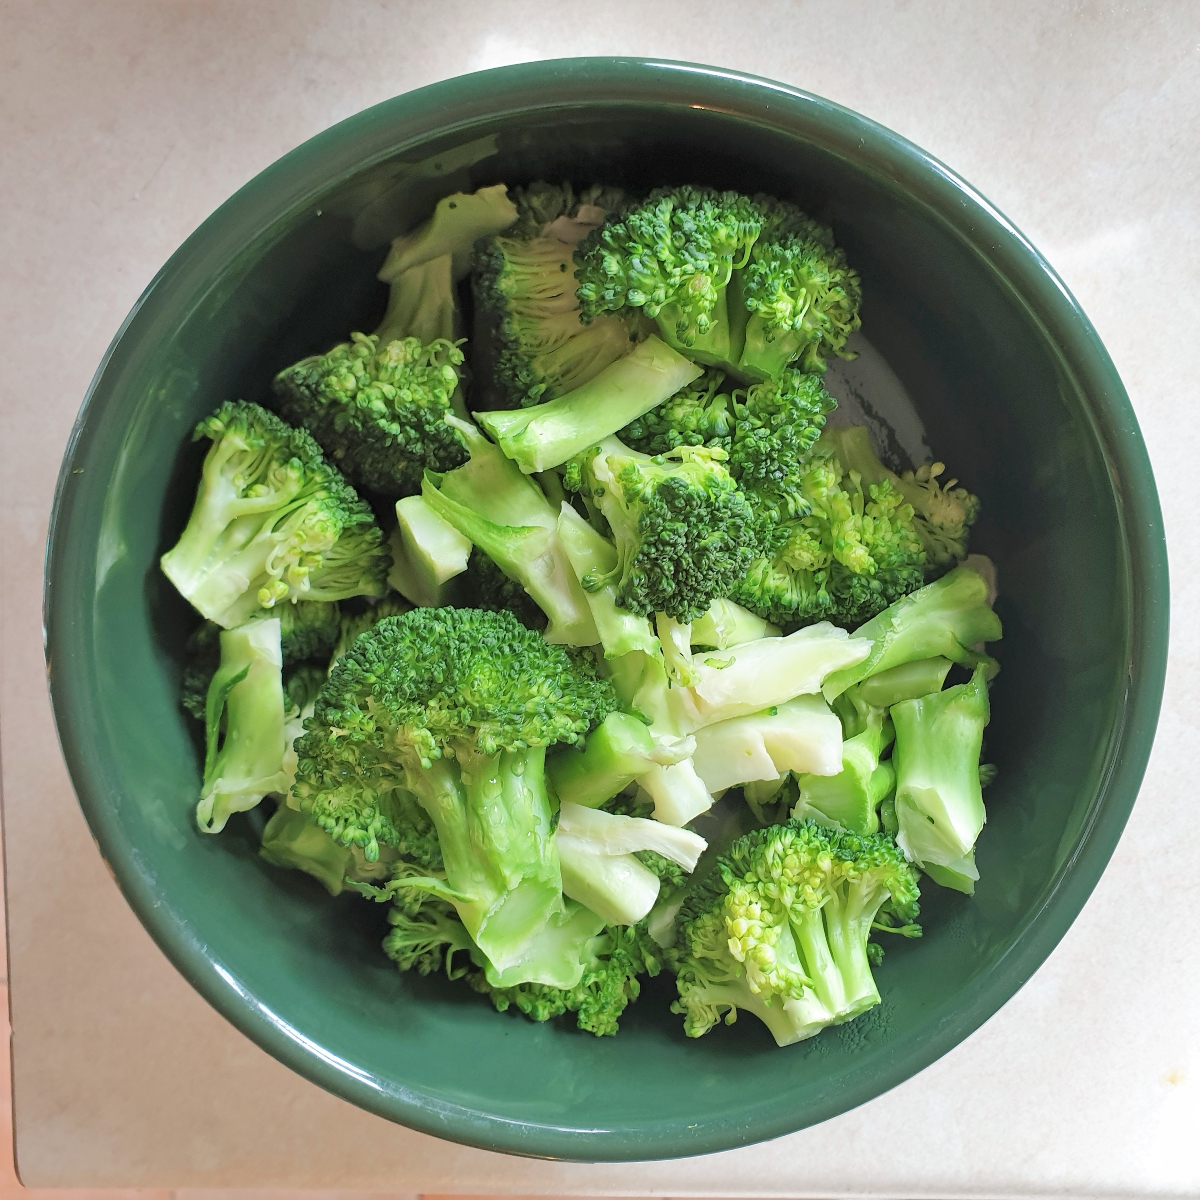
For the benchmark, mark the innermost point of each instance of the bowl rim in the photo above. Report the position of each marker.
(387, 129)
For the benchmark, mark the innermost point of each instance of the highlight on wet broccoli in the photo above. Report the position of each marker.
(273, 521)
(378, 409)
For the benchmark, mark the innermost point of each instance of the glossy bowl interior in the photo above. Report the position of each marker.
(1017, 394)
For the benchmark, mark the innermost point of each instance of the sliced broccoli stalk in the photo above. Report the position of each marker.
(905, 682)
(245, 764)
(850, 798)
(943, 513)
(944, 619)
(428, 555)
(675, 639)
(291, 839)
(683, 531)
(729, 624)
(558, 956)
(799, 735)
(548, 434)
(939, 801)
(597, 851)
(593, 558)
(378, 408)
(758, 675)
(421, 304)
(503, 512)
(677, 792)
(272, 521)
(616, 752)
(457, 706)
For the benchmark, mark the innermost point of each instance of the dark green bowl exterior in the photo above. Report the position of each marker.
(1018, 395)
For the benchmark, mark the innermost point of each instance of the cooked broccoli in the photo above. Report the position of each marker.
(944, 619)
(798, 735)
(832, 546)
(378, 409)
(614, 960)
(458, 707)
(672, 257)
(942, 512)
(273, 521)
(728, 624)
(801, 296)
(486, 586)
(593, 558)
(423, 266)
(781, 928)
(697, 415)
(548, 434)
(939, 804)
(527, 313)
(597, 851)
(359, 620)
(507, 516)
(905, 682)
(429, 556)
(246, 697)
(683, 530)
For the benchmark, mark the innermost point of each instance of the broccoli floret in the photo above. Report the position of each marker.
(423, 266)
(357, 621)
(378, 409)
(833, 547)
(457, 706)
(801, 296)
(697, 415)
(944, 619)
(939, 802)
(529, 332)
(273, 521)
(943, 513)
(671, 257)
(546, 435)
(614, 961)
(507, 516)
(684, 532)
(246, 698)
(781, 928)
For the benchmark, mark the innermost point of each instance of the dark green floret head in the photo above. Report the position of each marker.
(697, 415)
(379, 410)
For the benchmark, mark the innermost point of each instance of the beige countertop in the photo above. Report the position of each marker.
(124, 124)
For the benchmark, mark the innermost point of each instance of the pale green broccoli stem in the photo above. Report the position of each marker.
(616, 887)
(808, 929)
(799, 735)
(292, 839)
(593, 558)
(675, 638)
(717, 347)
(678, 792)
(428, 554)
(557, 955)
(905, 682)
(848, 915)
(729, 624)
(248, 689)
(616, 752)
(493, 822)
(508, 517)
(943, 619)
(768, 351)
(421, 304)
(849, 799)
(939, 801)
(548, 434)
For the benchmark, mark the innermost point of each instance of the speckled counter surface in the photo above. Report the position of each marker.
(123, 125)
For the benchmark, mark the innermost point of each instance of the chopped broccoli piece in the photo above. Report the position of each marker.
(378, 408)
(358, 621)
(905, 682)
(798, 735)
(526, 308)
(507, 516)
(697, 415)
(942, 512)
(428, 555)
(728, 624)
(939, 803)
(548, 434)
(781, 929)
(944, 619)
(672, 257)
(273, 521)
(683, 530)
(486, 586)
(245, 764)
(458, 707)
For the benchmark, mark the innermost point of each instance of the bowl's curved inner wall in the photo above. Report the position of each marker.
(998, 407)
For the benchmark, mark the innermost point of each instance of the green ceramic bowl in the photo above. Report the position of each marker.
(1005, 371)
